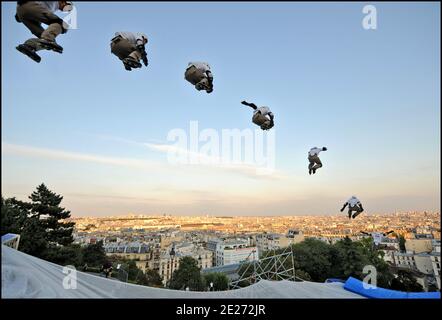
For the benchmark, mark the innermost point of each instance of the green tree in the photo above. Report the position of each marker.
(128, 267)
(64, 255)
(40, 223)
(405, 281)
(153, 278)
(218, 279)
(12, 217)
(402, 243)
(314, 257)
(32, 238)
(376, 259)
(350, 259)
(134, 273)
(45, 204)
(301, 274)
(187, 275)
(94, 255)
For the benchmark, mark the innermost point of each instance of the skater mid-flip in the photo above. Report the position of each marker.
(200, 75)
(353, 205)
(260, 116)
(313, 158)
(35, 13)
(130, 49)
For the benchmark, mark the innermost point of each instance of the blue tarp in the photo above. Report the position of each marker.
(330, 280)
(357, 286)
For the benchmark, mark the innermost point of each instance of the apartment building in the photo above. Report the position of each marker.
(232, 251)
(274, 241)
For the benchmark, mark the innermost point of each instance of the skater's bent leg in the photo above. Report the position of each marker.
(31, 14)
(136, 55)
(358, 212)
(52, 32)
(35, 27)
(259, 119)
(311, 162)
(122, 49)
(194, 75)
(318, 163)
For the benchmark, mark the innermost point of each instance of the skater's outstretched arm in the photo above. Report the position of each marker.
(344, 206)
(252, 105)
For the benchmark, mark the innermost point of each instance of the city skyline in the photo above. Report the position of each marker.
(370, 96)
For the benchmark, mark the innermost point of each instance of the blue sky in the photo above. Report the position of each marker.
(78, 121)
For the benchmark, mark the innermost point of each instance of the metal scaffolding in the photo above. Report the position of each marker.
(272, 266)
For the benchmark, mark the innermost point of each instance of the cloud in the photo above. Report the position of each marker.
(203, 160)
(15, 149)
(245, 170)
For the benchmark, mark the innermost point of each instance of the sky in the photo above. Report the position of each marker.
(98, 134)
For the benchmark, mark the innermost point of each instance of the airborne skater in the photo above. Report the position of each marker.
(200, 75)
(130, 49)
(315, 162)
(353, 205)
(260, 116)
(32, 14)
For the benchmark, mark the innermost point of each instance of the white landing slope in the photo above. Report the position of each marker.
(25, 276)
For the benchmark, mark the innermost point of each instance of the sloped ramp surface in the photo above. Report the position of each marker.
(25, 276)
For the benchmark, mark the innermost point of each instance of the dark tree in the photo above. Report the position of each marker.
(153, 278)
(135, 274)
(13, 217)
(32, 238)
(405, 281)
(150, 278)
(187, 275)
(41, 225)
(314, 257)
(350, 260)
(94, 255)
(375, 256)
(218, 279)
(301, 274)
(402, 243)
(46, 206)
(65, 255)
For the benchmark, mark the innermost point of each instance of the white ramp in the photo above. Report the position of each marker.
(25, 276)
